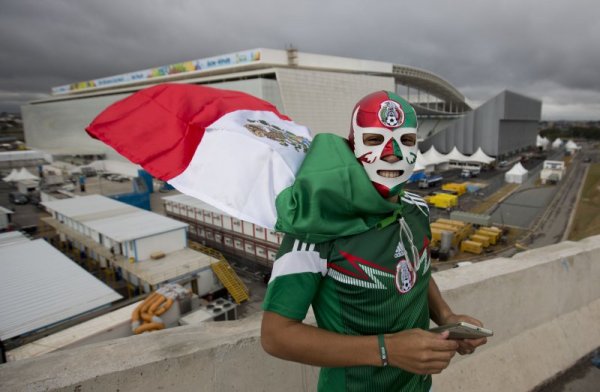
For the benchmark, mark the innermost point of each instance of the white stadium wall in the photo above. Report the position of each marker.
(323, 101)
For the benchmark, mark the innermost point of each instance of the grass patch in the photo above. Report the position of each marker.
(587, 216)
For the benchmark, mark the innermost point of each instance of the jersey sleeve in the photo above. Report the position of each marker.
(295, 278)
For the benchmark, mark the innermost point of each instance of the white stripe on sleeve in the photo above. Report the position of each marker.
(299, 262)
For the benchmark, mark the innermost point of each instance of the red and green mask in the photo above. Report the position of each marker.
(383, 136)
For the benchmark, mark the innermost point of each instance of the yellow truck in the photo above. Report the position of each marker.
(454, 187)
(442, 200)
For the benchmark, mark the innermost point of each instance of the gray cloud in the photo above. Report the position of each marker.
(539, 48)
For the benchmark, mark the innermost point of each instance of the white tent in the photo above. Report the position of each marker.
(423, 162)
(542, 142)
(517, 175)
(418, 167)
(571, 146)
(433, 157)
(11, 176)
(557, 143)
(456, 155)
(480, 157)
(24, 174)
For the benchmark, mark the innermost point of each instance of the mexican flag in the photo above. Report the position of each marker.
(226, 148)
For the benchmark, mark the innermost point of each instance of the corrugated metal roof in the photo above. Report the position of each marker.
(12, 237)
(39, 286)
(113, 219)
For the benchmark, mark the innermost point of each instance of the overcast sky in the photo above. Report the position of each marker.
(545, 49)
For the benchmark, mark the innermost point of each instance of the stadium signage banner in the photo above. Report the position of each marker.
(187, 67)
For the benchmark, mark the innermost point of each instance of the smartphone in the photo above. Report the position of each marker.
(463, 330)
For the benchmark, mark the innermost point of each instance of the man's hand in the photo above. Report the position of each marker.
(419, 351)
(466, 346)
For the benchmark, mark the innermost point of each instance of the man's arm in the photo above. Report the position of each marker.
(414, 350)
(441, 314)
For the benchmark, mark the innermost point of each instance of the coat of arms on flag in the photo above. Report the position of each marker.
(226, 148)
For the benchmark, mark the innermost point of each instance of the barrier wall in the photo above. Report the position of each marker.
(544, 306)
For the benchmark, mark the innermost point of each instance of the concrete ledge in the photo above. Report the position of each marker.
(544, 306)
(528, 359)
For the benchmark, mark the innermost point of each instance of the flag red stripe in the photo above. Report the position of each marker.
(160, 127)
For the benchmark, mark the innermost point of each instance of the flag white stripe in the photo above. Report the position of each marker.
(244, 187)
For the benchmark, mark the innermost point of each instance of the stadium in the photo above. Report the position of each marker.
(318, 91)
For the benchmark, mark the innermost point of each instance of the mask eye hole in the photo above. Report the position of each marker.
(409, 140)
(372, 139)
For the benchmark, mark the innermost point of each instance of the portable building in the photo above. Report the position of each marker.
(128, 239)
(222, 232)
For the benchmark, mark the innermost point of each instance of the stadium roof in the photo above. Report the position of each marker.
(262, 60)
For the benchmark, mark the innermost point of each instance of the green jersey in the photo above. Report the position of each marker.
(360, 285)
(359, 259)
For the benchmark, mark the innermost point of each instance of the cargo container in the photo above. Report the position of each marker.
(493, 230)
(437, 234)
(489, 234)
(471, 247)
(482, 239)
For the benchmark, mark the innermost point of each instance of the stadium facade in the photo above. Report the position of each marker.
(318, 91)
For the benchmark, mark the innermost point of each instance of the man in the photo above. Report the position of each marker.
(356, 250)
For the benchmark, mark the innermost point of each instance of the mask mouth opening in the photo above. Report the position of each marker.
(390, 173)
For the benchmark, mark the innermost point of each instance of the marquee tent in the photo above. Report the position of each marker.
(433, 157)
(24, 174)
(11, 176)
(517, 175)
(571, 146)
(480, 157)
(542, 142)
(557, 143)
(456, 155)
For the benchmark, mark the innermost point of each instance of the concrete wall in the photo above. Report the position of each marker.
(543, 304)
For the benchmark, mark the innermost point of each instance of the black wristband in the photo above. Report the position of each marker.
(382, 350)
